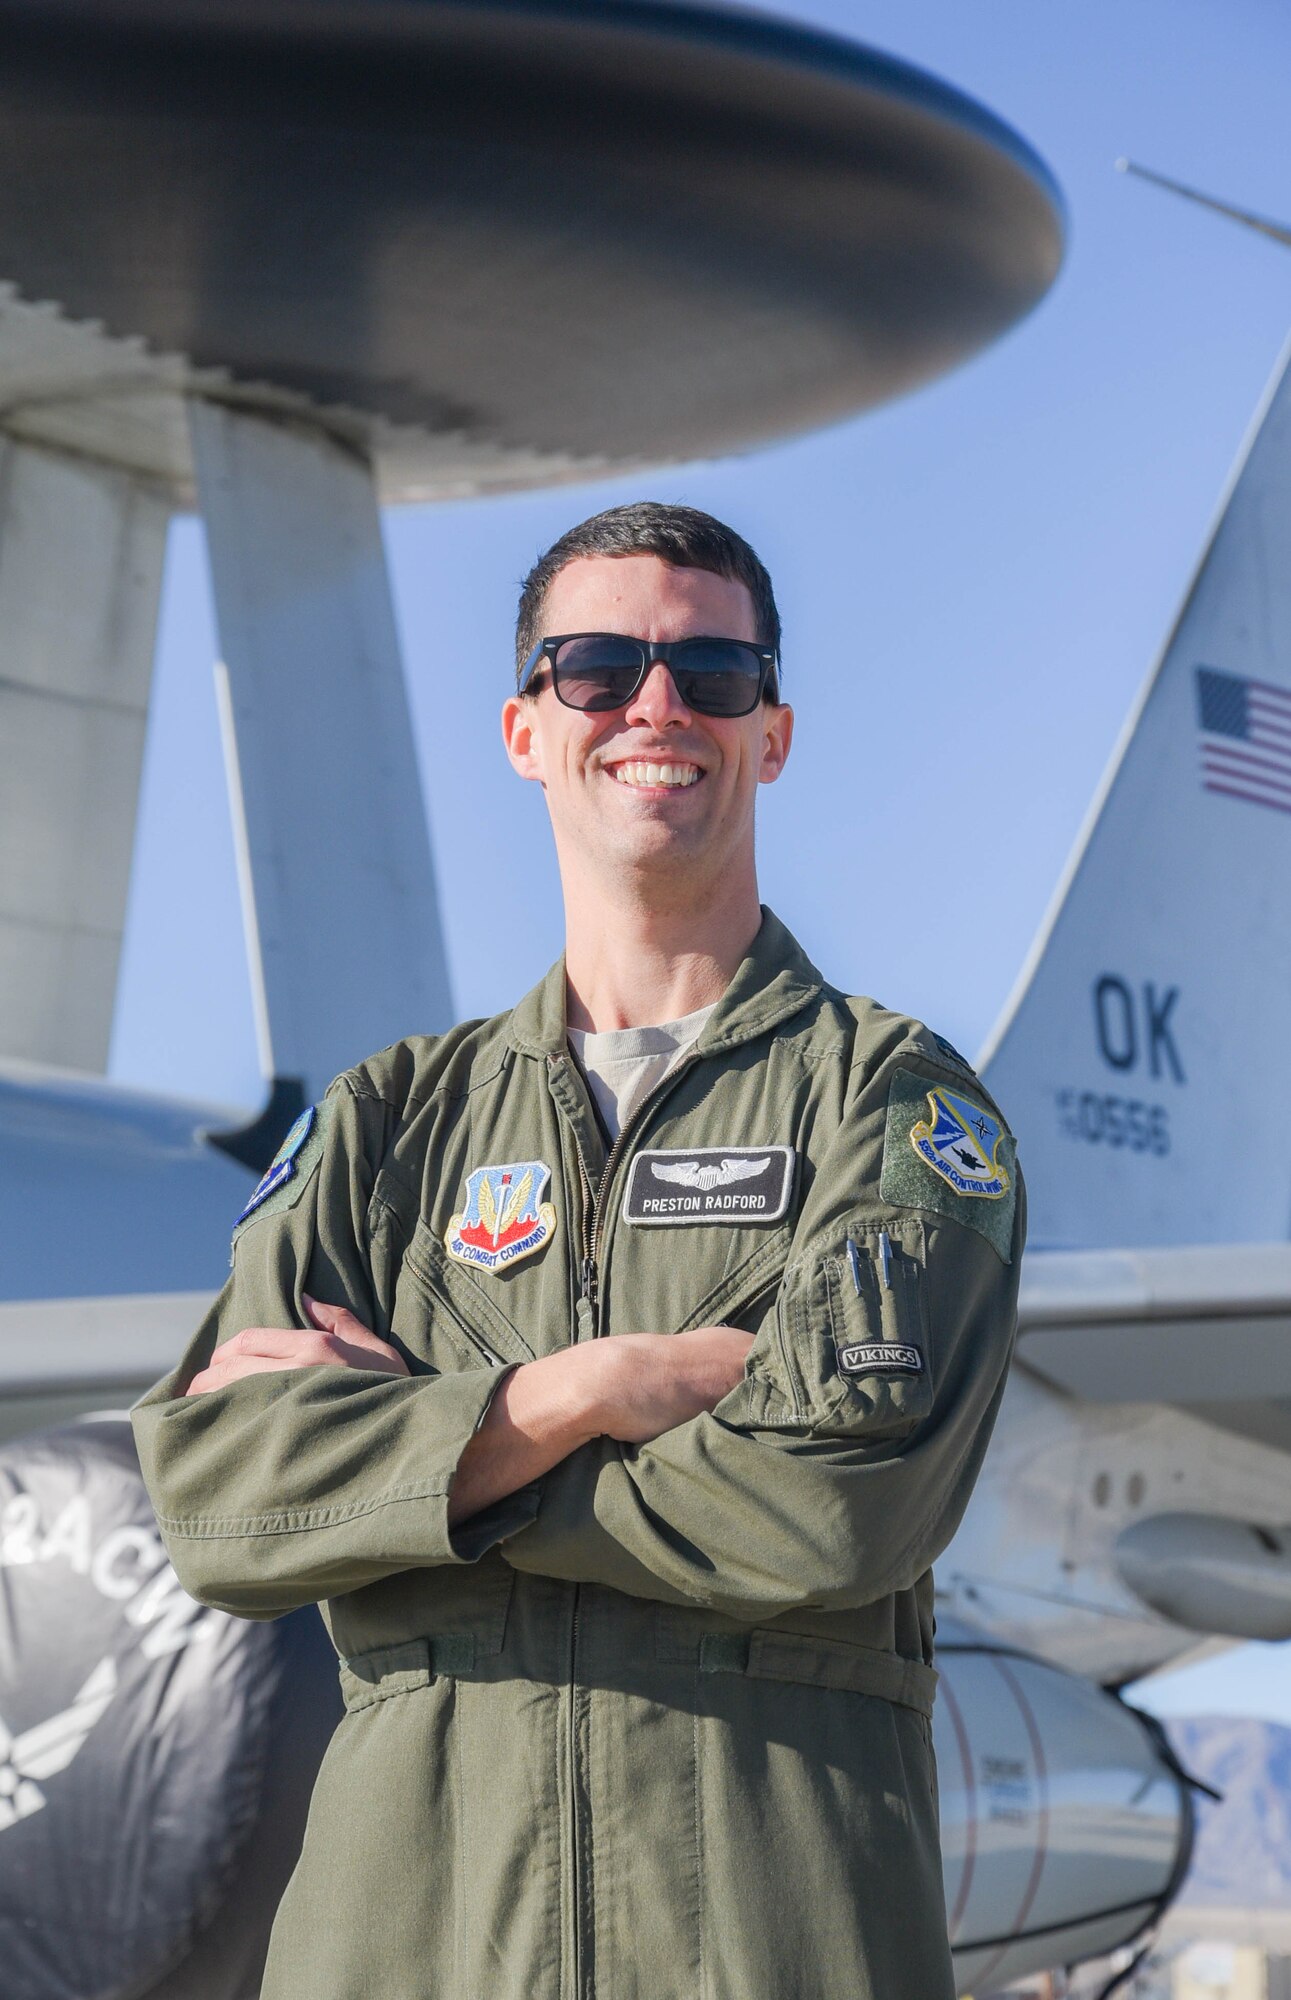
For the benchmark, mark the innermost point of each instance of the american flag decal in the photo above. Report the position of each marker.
(1245, 738)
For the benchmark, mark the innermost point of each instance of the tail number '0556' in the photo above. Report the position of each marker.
(1127, 1123)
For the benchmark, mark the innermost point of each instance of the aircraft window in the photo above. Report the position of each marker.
(1102, 1490)
(1134, 1489)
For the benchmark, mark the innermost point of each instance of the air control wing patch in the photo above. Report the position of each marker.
(505, 1217)
(285, 1164)
(669, 1187)
(943, 1150)
(960, 1140)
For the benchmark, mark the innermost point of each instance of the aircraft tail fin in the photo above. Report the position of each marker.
(1145, 1055)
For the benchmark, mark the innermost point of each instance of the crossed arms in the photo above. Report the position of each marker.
(685, 1468)
(632, 1389)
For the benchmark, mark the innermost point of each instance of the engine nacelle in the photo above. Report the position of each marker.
(1210, 1574)
(1066, 1823)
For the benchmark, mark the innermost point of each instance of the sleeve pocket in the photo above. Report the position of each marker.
(853, 1330)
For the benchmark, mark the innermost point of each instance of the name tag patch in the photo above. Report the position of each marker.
(669, 1187)
(870, 1356)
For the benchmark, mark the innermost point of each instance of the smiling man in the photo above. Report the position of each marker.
(613, 1371)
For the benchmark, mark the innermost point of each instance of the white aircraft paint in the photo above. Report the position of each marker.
(1144, 1060)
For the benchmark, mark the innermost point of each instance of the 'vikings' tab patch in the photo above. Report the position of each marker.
(873, 1357)
(286, 1162)
(670, 1187)
(943, 1150)
(505, 1218)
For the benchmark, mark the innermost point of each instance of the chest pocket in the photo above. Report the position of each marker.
(743, 1297)
(444, 1318)
(852, 1334)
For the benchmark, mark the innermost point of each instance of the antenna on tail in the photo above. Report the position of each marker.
(1279, 231)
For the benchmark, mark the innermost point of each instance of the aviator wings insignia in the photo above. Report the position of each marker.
(716, 1174)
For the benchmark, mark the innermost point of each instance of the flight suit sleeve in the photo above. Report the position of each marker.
(303, 1483)
(840, 1466)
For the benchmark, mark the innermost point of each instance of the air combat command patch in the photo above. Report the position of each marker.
(943, 1150)
(505, 1217)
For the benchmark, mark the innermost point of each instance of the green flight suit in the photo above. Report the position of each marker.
(657, 1726)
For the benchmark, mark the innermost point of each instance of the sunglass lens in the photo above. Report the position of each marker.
(598, 671)
(718, 676)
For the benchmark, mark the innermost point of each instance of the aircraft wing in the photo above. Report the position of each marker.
(1201, 1327)
(61, 1357)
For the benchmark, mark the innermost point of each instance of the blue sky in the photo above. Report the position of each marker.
(980, 576)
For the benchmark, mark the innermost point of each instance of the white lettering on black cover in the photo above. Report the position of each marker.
(671, 1187)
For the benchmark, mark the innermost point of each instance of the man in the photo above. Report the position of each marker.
(614, 1370)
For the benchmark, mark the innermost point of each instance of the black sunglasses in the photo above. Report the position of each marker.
(598, 671)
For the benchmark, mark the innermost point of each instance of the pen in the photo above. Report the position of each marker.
(885, 1258)
(854, 1259)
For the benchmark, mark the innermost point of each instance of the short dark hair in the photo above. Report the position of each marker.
(682, 536)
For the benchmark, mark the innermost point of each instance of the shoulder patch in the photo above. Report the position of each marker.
(952, 1054)
(293, 1162)
(943, 1150)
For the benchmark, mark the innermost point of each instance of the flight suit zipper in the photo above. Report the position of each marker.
(593, 1205)
(582, 1931)
(591, 1216)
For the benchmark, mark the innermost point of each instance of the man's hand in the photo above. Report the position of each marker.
(632, 1387)
(336, 1339)
(650, 1382)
